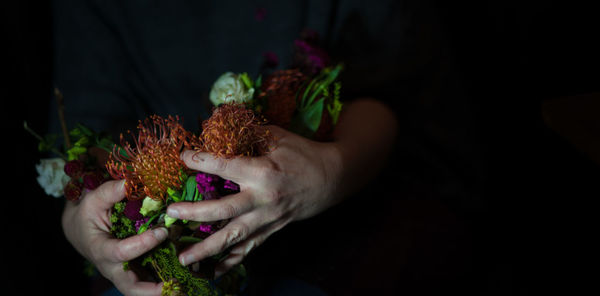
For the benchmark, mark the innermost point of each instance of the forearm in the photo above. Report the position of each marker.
(364, 138)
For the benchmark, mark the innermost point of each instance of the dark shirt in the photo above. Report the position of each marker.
(120, 61)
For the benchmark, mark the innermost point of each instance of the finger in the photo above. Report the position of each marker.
(132, 247)
(234, 232)
(241, 250)
(230, 261)
(128, 283)
(109, 193)
(236, 170)
(213, 210)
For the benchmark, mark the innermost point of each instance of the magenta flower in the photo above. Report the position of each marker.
(206, 182)
(140, 222)
(231, 185)
(270, 59)
(310, 58)
(206, 228)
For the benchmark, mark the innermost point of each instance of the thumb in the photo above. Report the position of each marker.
(109, 193)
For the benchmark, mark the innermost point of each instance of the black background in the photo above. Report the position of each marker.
(531, 231)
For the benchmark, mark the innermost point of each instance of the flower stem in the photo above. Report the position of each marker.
(61, 116)
(37, 136)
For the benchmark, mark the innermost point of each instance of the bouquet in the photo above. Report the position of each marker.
(304, 98)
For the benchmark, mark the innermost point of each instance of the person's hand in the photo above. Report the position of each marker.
(297, 180)
(87, 227)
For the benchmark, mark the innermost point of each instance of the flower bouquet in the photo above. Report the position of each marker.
(304, 99)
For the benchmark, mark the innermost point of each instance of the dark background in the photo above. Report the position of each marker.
(495, 203)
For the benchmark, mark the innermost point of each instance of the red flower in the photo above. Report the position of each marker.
(73, 190)
(91, 180)
(74, 168)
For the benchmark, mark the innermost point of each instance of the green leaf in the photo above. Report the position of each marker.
(169, 220)
(246, 80)
(190, 239)
(258, 82)
(145, 226)
(75, 151)
(175, 195)
(311, 117)
(190, 188)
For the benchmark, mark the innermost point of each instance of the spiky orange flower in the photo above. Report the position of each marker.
(153, 165)
(280, 90)
(233, 130)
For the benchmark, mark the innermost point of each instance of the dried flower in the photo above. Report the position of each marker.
(73, 190)
(93, 179)
(52, 176)
(233, 130)
(74, 168)
(280, 90)
(154, 164)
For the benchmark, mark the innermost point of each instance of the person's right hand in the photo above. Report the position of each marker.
(87, 227)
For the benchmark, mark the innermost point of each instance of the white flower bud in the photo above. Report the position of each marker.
(52, 176)
(228, 88)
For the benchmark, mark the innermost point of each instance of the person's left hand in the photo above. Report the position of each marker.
(297, 180)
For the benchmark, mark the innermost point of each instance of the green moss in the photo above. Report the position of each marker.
(122, 226)
(165, 262)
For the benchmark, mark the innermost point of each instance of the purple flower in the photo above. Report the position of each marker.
(271, 59)
(231, 185)
(206, 228)
(309, 57)
(140, 222)
(132, 210)
(206, 182)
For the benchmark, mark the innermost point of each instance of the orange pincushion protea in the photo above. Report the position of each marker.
(233, 130)
(154, 164)
(280, 90)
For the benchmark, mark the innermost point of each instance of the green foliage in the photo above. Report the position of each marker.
(122, 226)
(335, 106)
(246, 80)
(165, 262)
(313, 100)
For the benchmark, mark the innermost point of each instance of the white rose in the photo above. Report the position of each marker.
(228, 88)
(52, 176)
(150, 206)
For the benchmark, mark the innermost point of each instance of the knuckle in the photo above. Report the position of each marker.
(236, 234)
(218, 164)
(226, 211)
(266, 170)
(119, 254)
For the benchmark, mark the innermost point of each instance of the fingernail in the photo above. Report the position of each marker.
(173, 213)
(186, 259)
(160, 233)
